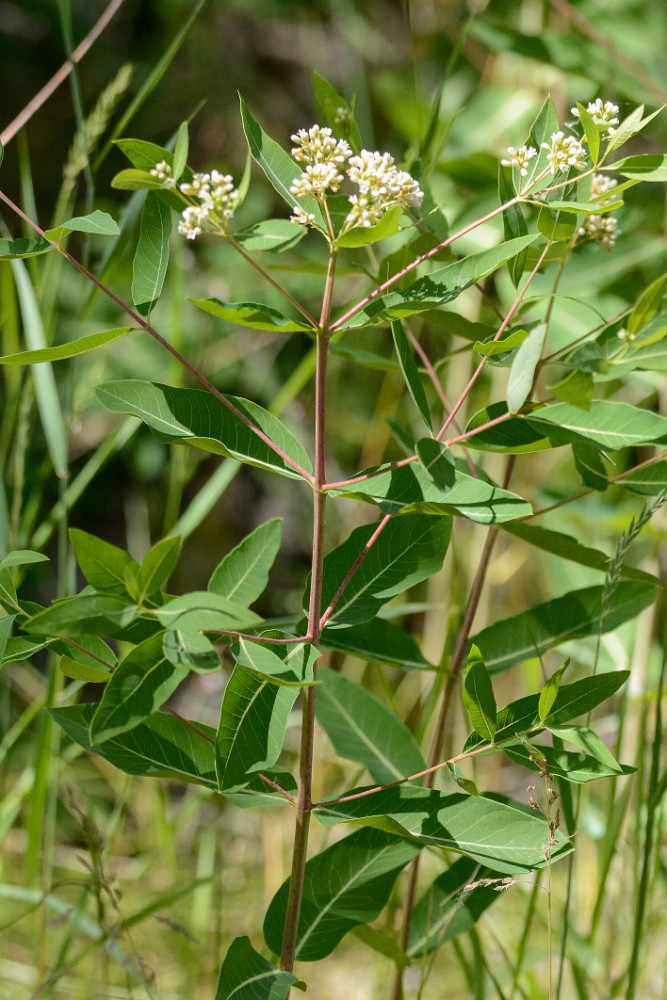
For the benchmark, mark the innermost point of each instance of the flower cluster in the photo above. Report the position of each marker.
(381, 184)
(213, 198)
(603, 113)
(601, 229)
(600, 186)
(564, 152)
(519, 158)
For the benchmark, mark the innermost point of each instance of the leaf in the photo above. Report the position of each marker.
(496, 832)
(511, 436)
(290, 665)
(492, 347)
(136, 180)
(571, 616)
(22, 247)
(200, 419)
(62, 351)
(409, 549)
(157, 566)
(18, 648)
(244, 572)
(410, 372)
(566, 547)
(478, 696)
(645, 167)
(629, 127)
(409, 490)
(345, 885)
(377, 640)
(608, 424)
(6, 622)
(361, 728)
(440, 286)
(545, 124)
(576, 388)
(588, 741)
(257, 794)
(271, 236)
(141, 683)
(576, 767)
(438, 463)
(649, 481)
(647, 305)
(252, 314)
(514, 224)
(98, 223)
(95, 614)
(253, 722)
(553, 227)
(201, 610)
(365, 235)
(190, 649)
(82, 672)
(103, 565)
(590, 466)
(180, 151)
(163, 745)
(571, 701)
(151, 257)
(549, 692)
(338, 112)
(245, 975)
(279, 167)
(446, 910)
(144, 155)
(524, 367)
(591, 131)
(22, 557)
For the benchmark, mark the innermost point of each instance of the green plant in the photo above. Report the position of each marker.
(125, 629)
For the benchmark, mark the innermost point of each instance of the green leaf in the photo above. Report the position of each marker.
(338, 112)
(18, 648)
(253, 722)
(410, 372)
(489, 348)
(549, 692)
(514, 224)
(588, 741)
(202, 420)
(629, 127)
(98, 223)
(180, 151)
(377, 640)
(192, 650)
(524, 367)
(252, 314)
(95, 614)
(478, 696)
(438, 463)
(136, 180)
(608, 424)
(545, 124)
(649, 481)
(139, 686)
(163, 746)
(290, 665)
(271, 236)
(152, 254)
(409, 549)
(6, 622)
(554, 227)
(22, 557)
(590, 465)
(571, 701)
(571, 616)
(345, 885)
(645, 167)
(256, 793)
(566, 547)
(62, 351)
(365, 235)
(202, 610)
(576, 388)
(279, 167)
(494, 831)
(576, 767)
(409, 490)
(511, 436)
(22, 247)
(245, 975)
(103, 565)
(440, 286)
(82, 672)
(447, 910)
(244, 572)
(591, 131)
(157, 566)
(361, 728)
(647, 305)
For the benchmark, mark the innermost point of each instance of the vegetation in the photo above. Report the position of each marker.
(331, 594)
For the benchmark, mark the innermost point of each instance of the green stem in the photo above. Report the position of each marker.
(304, 801)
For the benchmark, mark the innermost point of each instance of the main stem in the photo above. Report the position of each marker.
(304, 801)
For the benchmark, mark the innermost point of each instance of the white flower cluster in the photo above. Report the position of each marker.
(214, 198)
(564, 152)
(381, 184)
(600, 186)
(601, 229)
(519, 158)
(603, 113)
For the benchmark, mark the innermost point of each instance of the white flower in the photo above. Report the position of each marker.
(603, 113)
(316, 179)
(302, 217)
(318, 145)
(192, 219)
(600, 186)
(381, 186)
(162, 171)
(601, 229)
(215, 199)
(564, 152)
(519, 158)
